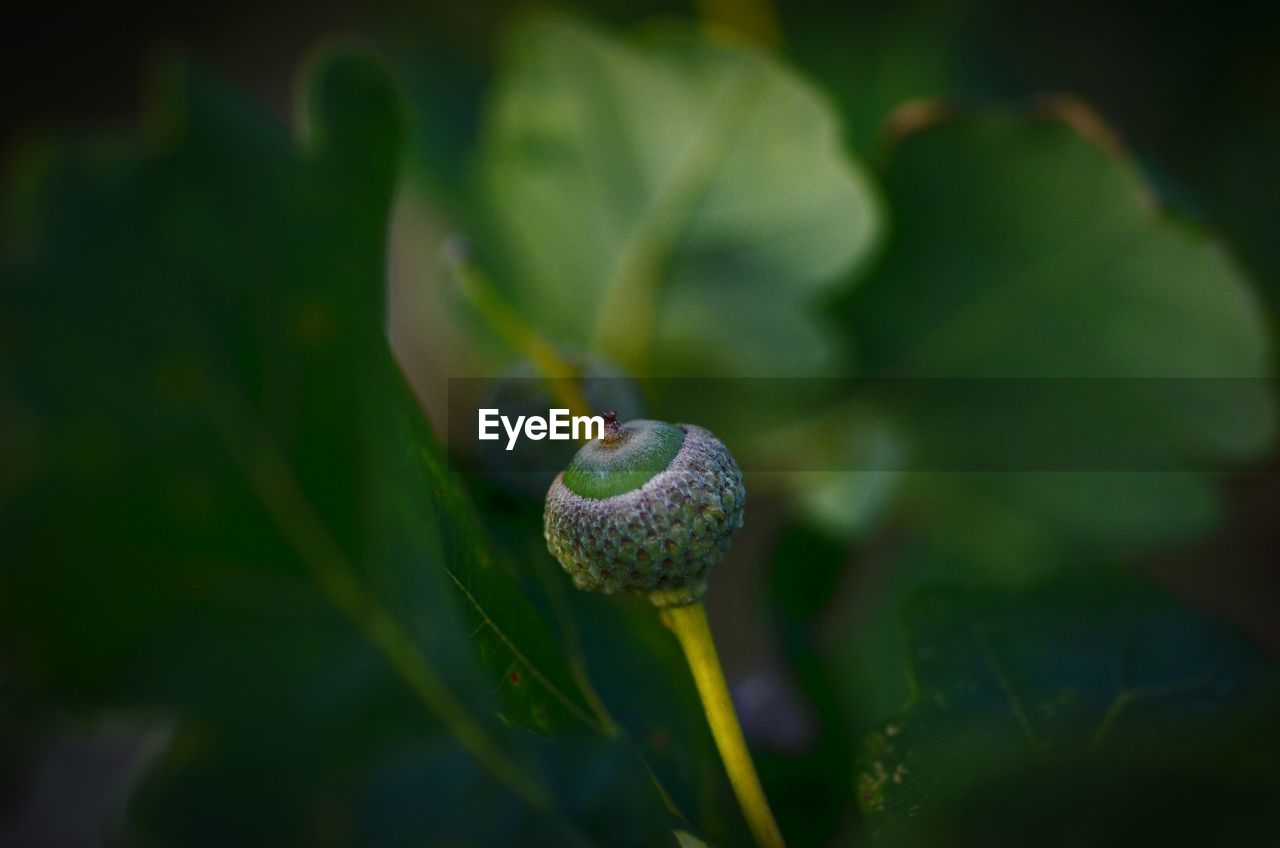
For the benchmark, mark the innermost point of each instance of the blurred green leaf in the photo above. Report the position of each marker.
(539, 688)
(679, 205)
(1022, 250)
(224, 504)
(1096, 701)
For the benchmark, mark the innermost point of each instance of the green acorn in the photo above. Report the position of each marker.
(648, 508)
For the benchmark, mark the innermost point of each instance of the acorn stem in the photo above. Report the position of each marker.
(612, 429)
(689, 622)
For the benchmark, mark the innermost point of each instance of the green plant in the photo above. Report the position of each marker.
(226, 511)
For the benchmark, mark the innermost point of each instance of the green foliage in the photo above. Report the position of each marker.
(231, 509)
(1075, 711)
(224, 511)
(1022, 250)
(636, 189)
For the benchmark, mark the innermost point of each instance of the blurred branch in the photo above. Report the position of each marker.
(513, 329)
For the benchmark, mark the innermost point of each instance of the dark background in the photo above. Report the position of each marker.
(1194, 88)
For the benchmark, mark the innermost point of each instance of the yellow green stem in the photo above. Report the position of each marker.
(524, 339)
(689, 623)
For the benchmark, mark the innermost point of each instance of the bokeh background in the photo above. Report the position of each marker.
(248, 597)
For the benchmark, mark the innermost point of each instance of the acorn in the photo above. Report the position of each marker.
(648, 508)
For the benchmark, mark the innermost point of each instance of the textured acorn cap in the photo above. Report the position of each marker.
(648, 509)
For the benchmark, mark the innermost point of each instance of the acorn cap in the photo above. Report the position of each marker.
(649, 508)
